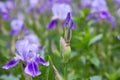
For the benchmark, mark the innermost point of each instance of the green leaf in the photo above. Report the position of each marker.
(95, 39)
(95, 61)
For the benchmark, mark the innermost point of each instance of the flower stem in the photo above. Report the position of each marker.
(27, 77)
(65, 71)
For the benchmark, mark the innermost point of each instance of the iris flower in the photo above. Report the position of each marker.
(4, 11)
(62, 12)
(27, 52)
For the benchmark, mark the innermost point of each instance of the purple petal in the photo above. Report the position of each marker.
(11, 64)
(89, 16)
(112, 21)
(68, 18)
(32, 38)
(14, 32)
(40, 47)
(72, 25)
(6, 16)
(32, 69)
(52, 24)
(118, 37)
(104, 15)
(29, 10)
(41, 9)
(42, 61)
(118, 12)
(21, 47)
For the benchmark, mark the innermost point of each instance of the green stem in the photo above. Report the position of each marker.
(47, 73)
(27, 77)
(65, 71)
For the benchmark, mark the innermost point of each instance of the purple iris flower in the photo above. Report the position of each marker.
(64, 1)
(118, 12)
(17, 26)
(112, 21)
(4, 11)
(32, 5)
(99, 9)
(10, 4)
(32, 38)
(69, 22)
(117, 2)
(86, 3)
(61, 11)
(36, 6)
(28, 54)
(52, 2)
(20, 15)
(118, 37)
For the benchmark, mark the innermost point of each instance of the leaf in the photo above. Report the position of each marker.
(95, 39)
(95, 61)
(115, 75)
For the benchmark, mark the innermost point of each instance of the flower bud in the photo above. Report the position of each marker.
(65, 49)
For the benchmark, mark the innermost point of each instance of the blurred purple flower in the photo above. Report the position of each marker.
(33, 3)
(112, 21)
(17, 26)
(117, 2)
(52, 2)
(33, 39)
(61, 11)
(20, 15)
(32, 6)
(99, 9)
(118, 37)
(86, 3)
(28, 54)
(4, 11)
(118, 12)
(41, 9)
(10, 4)
(36, 6)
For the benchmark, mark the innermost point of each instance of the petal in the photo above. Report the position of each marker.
(42, 61)
(32, 69)
(11, 64)
(52, 24)
(104, 15)
(6, 16)
(32, 38)
(112, 21)
(89, 16)
(118, 37)
(68, 18)
(21, 45)
(40, 48)
(72, 25)
(14, 32)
